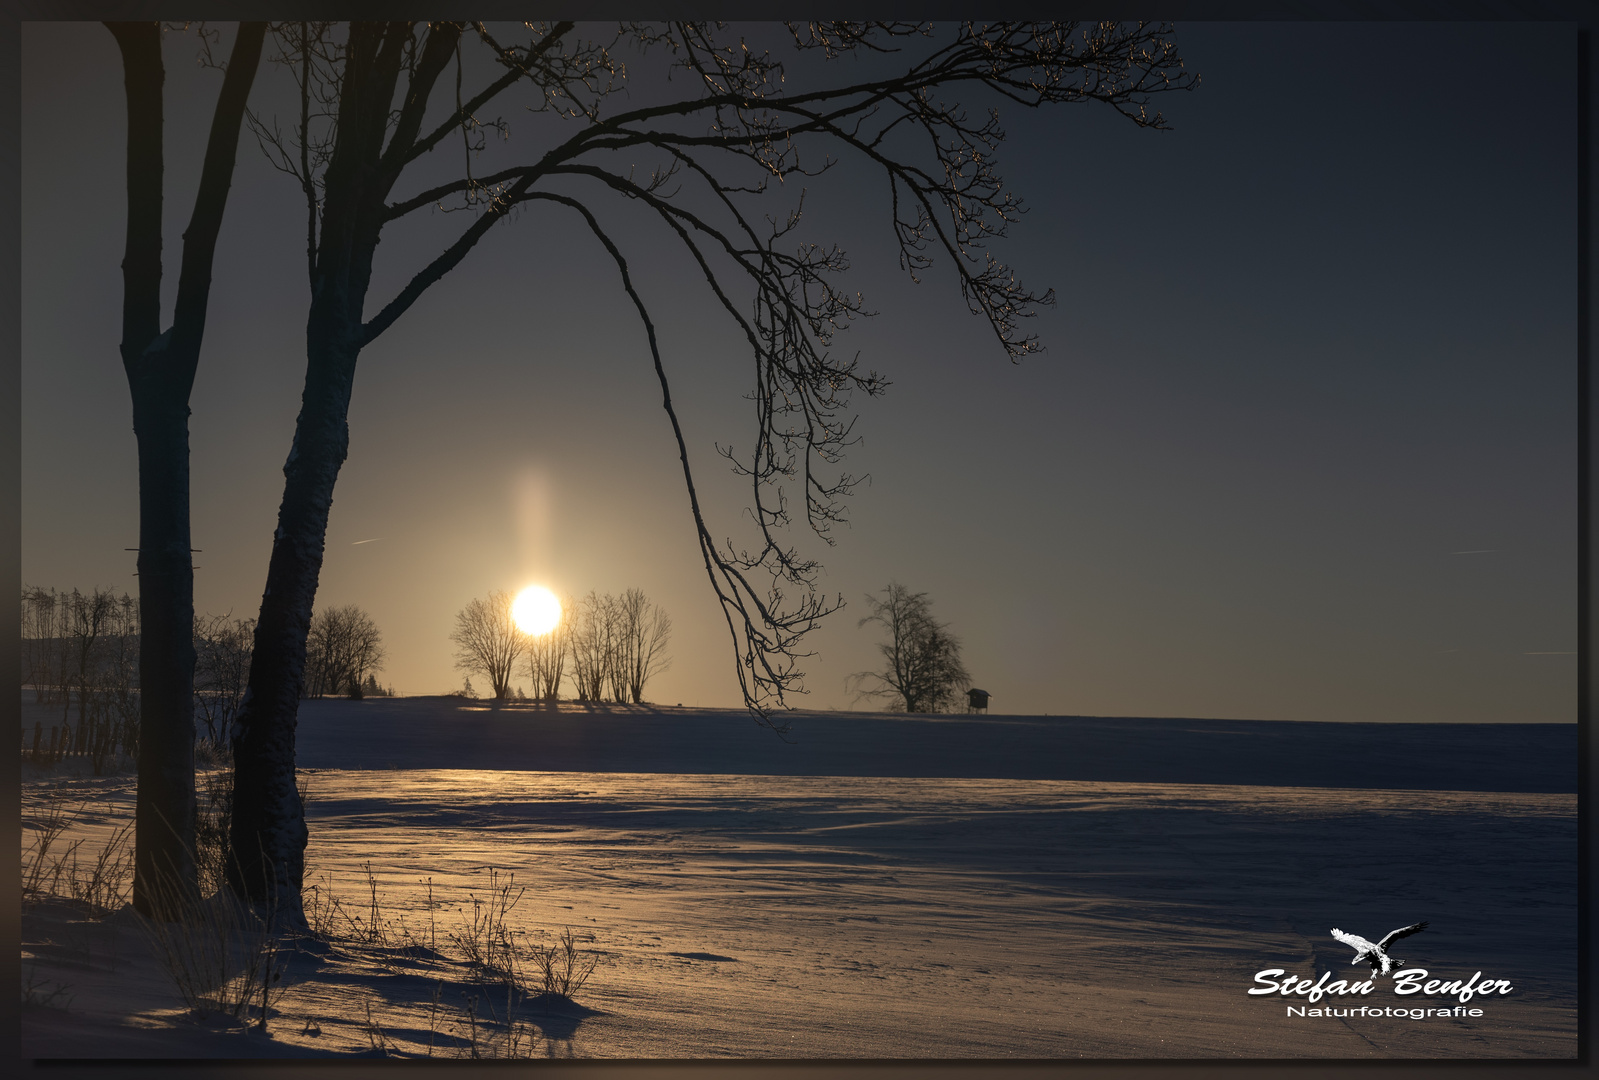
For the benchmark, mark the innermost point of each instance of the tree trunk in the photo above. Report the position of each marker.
(268, 835)
(160, 368)
(164, 812)
(164, 816)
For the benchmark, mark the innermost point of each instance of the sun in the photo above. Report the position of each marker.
(536, 610)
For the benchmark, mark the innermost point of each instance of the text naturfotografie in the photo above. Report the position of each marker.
(1386, 1010)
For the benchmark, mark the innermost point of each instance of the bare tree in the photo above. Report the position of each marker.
(160, 367)
(923, 671)
(87, 616)
(707, 154)
(645, 630)
(616, 649)
(221, 672)
(342, 646)
(617, 645)
(593, 644)
(547, 655)
(43, 644)
(488, 642)
(119, 679)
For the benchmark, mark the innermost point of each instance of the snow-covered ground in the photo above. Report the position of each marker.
(747, 897)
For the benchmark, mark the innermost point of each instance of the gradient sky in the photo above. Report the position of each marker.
(1303, 444)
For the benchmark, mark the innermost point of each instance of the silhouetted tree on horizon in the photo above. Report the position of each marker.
(87, 616)
(698, 153)
(342, 645)
(617, 644)
(488, 641)
(160, 367)
(646, 628)
(923, 671)
(547, 655)
(594, 639)
(44, 654)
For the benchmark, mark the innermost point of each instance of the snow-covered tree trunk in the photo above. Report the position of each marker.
(268, 835)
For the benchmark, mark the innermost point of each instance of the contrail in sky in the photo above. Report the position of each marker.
(374, 540)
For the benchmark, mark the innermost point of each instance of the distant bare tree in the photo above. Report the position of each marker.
(593, 644)
(488, 642)
(924, 671)
(221, 671)
(617, 644)
(87, 617)
(43, 652)
(548, 653)
(341, 647)
(120, 695)
(645, 630)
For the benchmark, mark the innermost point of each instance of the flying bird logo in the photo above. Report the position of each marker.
(1377, 954)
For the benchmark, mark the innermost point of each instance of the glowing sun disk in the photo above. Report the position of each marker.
(536, 610)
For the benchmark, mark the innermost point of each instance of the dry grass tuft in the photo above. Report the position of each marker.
(563, 966)
(42, 871)
(104, 885)
(485, 938)
(503, 956)
(52, 868)
(223, 957)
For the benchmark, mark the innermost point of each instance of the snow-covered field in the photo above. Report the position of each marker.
(918, 912)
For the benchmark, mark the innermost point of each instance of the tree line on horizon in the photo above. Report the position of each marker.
(80, 650)
(83, 648)
(608, 646)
